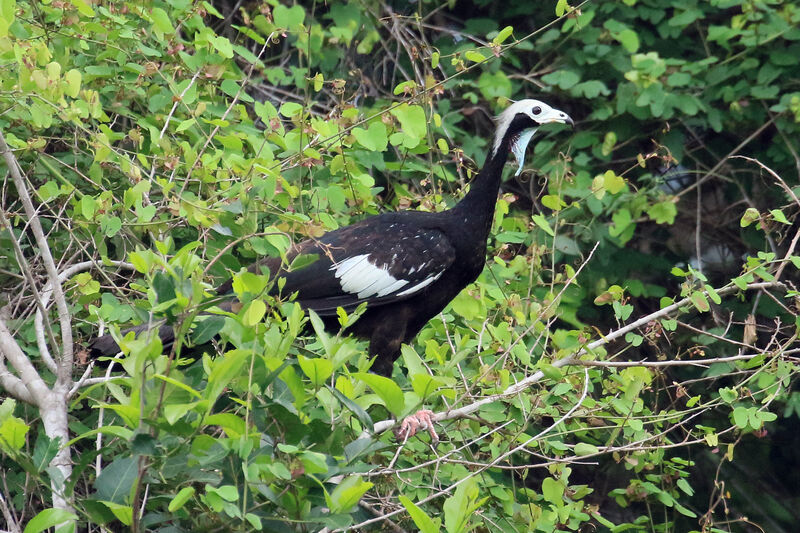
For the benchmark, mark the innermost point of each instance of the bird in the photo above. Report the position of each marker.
(405, 266)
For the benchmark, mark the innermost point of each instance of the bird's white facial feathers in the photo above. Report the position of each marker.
(357, 275)
(539, 112)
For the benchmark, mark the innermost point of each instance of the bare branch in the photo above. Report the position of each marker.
(662, 364)
(47, 292)
(64, 375)
(9, 349)
(793, 196)
(537, 376)
(12, 524)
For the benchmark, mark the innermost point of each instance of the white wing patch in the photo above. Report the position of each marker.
(357, 275)
(421, 285)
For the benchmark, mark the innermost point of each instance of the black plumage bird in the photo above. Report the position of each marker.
(406, 266)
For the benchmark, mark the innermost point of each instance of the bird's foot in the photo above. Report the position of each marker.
(419, 420)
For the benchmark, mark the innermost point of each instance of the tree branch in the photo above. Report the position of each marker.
(512, 390)
(47, 292)
(64, 374)
(36, 388)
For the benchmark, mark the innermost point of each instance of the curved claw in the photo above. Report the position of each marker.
(419, 420)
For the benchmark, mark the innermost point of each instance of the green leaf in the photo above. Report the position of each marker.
(288, 17)
(728, 395)
(373, 138)
(361, 414)
(83, 7)
(73, 79)
(684, 511)
(318, 370)
(254, 521)
(663, 212)
(180, 499)
(424, 384)
(712, 293)
(629, 40)
(609, 141)
(413, 122)
(225, 49)
(633, 338)
(8, 9)
(424, 522)
(553, 491)
(347, 494)
(678, 79)
(255, 312)
(474, 55)
(750, 215)
(124, 513)
(207, 329)
(622, 220)
(47, 519)
(229, 493)
(223, 371)
(110, 226)
(778, 215)
(561, 7)
(766, 416)
(116, 480)
(44, 451)
(161, 20)
(584, 448)
(304, 260)
(290, 109)
(12, 433)
(313, 462)
(622, 311)
(88, 206)
(502, 35)
(185, 125)
(468, 306)
(564, 79)
(553, 201)
(232, 89)
(459, 508)
(551, 372)
(613, 183)
(386, 389)
(319, 81)
(740, 417)
(542, 223)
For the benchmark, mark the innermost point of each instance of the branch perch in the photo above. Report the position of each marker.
(461, 412)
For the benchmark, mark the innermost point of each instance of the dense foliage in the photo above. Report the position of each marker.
(626, 361)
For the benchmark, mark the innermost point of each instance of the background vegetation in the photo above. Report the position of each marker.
(626, 361)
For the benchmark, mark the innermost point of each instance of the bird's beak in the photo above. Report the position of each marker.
(562, 118)
(558, 117)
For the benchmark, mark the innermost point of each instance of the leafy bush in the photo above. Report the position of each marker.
(636, 322)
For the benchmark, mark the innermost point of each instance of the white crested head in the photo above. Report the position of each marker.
(538, 112)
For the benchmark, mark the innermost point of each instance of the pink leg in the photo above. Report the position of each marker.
(419, 420)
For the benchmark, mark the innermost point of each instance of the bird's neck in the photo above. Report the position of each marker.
(479, 203)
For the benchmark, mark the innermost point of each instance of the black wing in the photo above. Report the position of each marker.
(375, 261)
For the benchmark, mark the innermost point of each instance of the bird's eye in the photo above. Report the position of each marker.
(536, 110)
